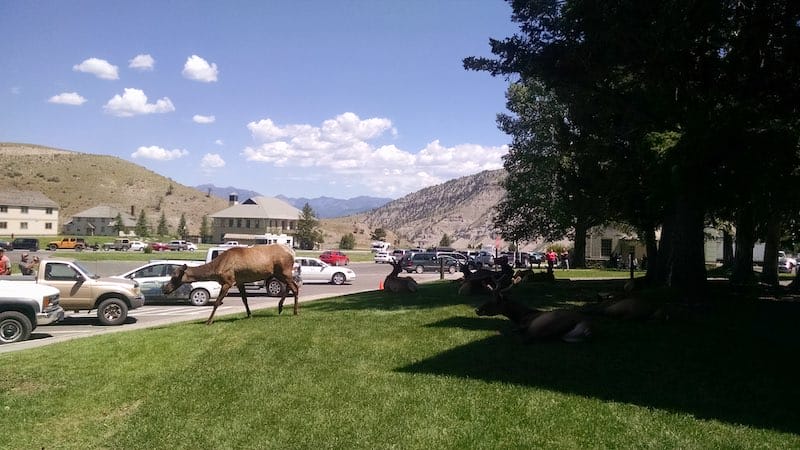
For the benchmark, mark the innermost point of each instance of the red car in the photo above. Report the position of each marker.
(334, 258)
(159, 246)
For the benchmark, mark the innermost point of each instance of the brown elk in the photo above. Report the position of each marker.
(534, 324)
(630, 308)
(240, 265)
(395, 283)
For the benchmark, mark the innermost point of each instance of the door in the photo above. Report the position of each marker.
(76, 292)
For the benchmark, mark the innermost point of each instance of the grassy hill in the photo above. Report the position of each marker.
(79, 181)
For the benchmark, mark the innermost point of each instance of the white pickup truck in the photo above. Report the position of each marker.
(24, 306)
(82, 290)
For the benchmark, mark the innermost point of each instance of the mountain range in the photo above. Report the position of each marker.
(324, 207)
(461, 208)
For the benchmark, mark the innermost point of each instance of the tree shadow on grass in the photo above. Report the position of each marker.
(737, 365)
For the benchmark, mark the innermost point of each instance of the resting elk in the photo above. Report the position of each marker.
(240, 265)
(395, 283)
(534, 324)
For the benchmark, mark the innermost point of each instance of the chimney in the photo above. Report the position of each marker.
(233, 199)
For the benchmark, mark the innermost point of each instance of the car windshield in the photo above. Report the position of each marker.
(85, 270)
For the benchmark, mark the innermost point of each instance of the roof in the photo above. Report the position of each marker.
(106, 212)
(15, 197)
(260, 208)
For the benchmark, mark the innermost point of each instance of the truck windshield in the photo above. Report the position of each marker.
(86, 270)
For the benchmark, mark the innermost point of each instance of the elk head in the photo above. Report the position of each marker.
(175, 281)
(495, 305)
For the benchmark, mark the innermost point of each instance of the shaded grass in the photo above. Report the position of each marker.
(374, 370)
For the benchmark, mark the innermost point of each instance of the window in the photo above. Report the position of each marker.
(48, 226)
(605, 247)
(60, 272)
(3, 225)
(247, 223)
(23, 225)
(238, 223)
(23, 209)
(3, 208)
(48, 210)
(230, 223)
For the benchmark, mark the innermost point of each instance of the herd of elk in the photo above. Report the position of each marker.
(240, 265)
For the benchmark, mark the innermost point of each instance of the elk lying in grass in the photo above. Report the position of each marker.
(630, 308)
(240, 265)
(396, 283)
(476, 282)
(534, 324)
(529, 275)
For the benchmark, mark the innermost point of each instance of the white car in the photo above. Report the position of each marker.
(313, 270)
(153, 275)
(384, 257)
(137, 246)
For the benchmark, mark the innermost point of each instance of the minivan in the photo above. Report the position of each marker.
(29, 244)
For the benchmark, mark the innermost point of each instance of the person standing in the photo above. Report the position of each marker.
(551, 260)
(26, 266)
(5, 263)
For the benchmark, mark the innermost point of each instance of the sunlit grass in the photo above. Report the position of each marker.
(376, 371)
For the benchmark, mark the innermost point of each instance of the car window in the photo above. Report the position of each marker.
(156, 270)
(57, 271)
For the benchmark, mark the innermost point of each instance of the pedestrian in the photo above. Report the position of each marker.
(551, 260)
(5, 264)
(565, 259)
(27, 266)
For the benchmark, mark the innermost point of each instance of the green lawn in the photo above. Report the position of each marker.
(376, 370)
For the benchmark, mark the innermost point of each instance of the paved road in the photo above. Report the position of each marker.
(77, 325)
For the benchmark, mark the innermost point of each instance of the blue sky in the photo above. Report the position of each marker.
(302, 98)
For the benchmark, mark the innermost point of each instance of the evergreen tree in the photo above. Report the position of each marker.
(378, 235)
(348, 242)
(182, 231)
(308, 233)
(445, 241)
(142, 228)
(204, 233)
(118, 226)
(163, 228)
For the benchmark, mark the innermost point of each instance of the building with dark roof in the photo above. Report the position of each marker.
(255, 217)
(99, 221)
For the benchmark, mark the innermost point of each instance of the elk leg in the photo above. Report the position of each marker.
(223, 291)
(295, 288)
(242, 292)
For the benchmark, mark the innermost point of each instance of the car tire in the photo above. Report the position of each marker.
(275, 288)
(420, 269)
(14, 327)
(52, 248)
(112, 311)
(199, 297)
(338, 278)
(451, 269)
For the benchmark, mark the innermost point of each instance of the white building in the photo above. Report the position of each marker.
(24, 213)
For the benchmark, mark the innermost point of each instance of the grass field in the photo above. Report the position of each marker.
(375, 370)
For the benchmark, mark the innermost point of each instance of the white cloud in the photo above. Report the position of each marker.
(203, 119)
(134, 102)
(158, 153)
(342, 146)
(212, 161)
(219, 142)
(98, 67)
(142, 62)
(16, 90)
(67, 98)
(198, 69)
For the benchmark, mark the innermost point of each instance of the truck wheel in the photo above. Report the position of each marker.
(275, 288)
(420, 269)
(199, 297)
(112, 311)
(451, 269)
(14, 327)
(52, 248)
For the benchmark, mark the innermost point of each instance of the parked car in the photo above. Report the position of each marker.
(30, 244)
(460, 257)
(180, 244)
(159, 246)
(427, 261)
(398, 254)
(313, 270)
(5, 245)
(537, 258)
(137, 246)
(334, 258)
(154, 275)
(383, 258)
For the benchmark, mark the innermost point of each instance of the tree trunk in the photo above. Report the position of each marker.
(652, 254)
(727, 249)
(579, 252)
(769, 268)
(687, 272)
(745, 239)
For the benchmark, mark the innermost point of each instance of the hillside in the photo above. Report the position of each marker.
(461, 208)
(79, 181)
